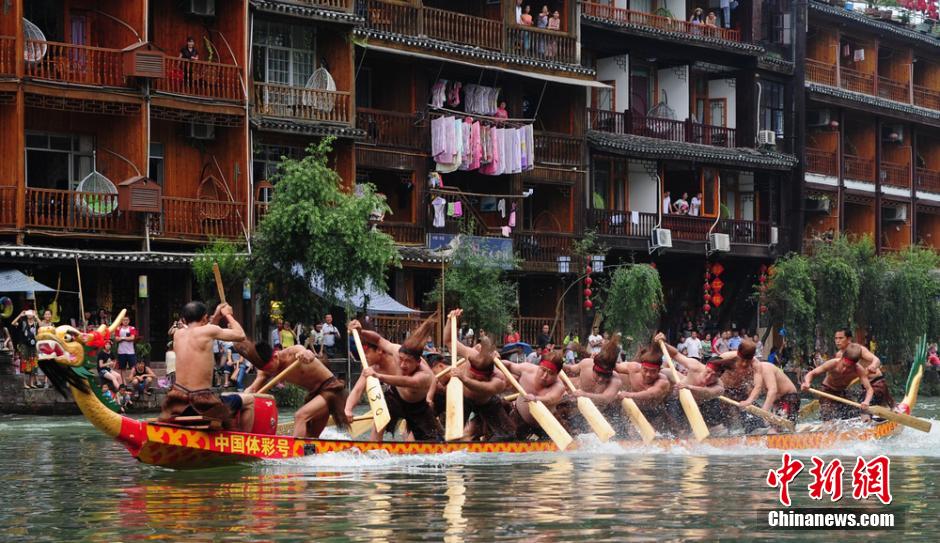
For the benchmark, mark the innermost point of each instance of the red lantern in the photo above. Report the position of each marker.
(717, 268)
(588, 281)
(707, 276)
(762, 279)
(588, 304)
(717, 299)
(763, 309)
(587, 293)
(717, 284)
(708, 297)
(708, 287)
(588, 270)
(706, 308)
(653, 265)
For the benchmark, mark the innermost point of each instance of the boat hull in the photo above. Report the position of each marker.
(181, 448)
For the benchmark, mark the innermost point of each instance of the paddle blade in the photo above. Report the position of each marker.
(550, 424)
(809, 409)
(593, 416)
(901, 418)
(699, 429)
(359, 427)
(453, 428)
(643, 426)
(380, 414)
(777, 421)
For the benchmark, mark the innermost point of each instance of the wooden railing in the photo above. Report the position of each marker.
(403, 232)
(861, 169)
(819, 161)
(202, 219)
(556, 149)
(71, 210)
(821, 72)
(392, 129)
(7, 55)
(896, 175)
(542, 249)
(392, 17)
(620, 223)
(335, 5)
(396, 328)
(751, 232)
(665, 129)
(626, 16)
(888, 88)
(261, 209)
(857, 81)
(198, 78)
(80, 64)
(530, 328)
(689, 228)
(7, 206)
(927, 179)
(446, 25)
(925, 97)
(303, 104)
(537, 43)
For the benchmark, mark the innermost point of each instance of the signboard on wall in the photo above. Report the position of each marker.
(496, 250)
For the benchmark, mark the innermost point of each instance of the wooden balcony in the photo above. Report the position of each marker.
(822, 162)
(859, 169)
(927, 179)
(639, 18)
(620, 223)
(190, 218)
(403, 232)
(73, 211)
(198, 78)
(888, 88)
(925, 97)
(480, 32)
(302, 104)
(555, 149)
(895, 175)
(7, 55)
(540, 250)
(687, 131)
(683, 227)
(745, 232)
(856, 81)
(392, 129)
(78, 64)
(334, 5)
(7, 206)
(820, 72)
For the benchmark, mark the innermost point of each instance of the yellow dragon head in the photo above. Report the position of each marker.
(61, 350)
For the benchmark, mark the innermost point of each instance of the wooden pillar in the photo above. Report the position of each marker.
(143, 310)
(19, 156)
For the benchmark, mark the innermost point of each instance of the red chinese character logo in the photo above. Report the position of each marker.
(783, 476)
(826, 480)
(872, 478)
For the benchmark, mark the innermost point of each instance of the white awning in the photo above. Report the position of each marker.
(379, 302)
(535, 75)
(16, 281)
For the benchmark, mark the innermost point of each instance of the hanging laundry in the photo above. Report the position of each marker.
(512, 216)
(634, 217)
(859, 55)
(530, 145)
(438, 204)
(453, 94)
(506, 231)
(501, 206)
(438, 93)
(458, 209)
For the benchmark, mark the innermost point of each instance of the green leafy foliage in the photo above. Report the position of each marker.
(233, 267)
(313, 228)
(791, 299)
(634, 302)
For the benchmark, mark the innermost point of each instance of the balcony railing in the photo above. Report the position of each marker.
(335, 5)
(79, 64)
(925, 97)
(490, 34)
(540, 250)
(304, 104)
(821, 72)
(198, 78)
(70, 210)
(554, 149)
(7, 206)
(403, 232)
(261, 209)
(888, 88)
(819, 161)
(392, 129)
(747, 232)
(202, 219)
(857, 81)
(683, 227)
(896, 175)
(687, 131)
(626, 16)
(7, 55)
(860, 169)
(927, 179)
(620, 223)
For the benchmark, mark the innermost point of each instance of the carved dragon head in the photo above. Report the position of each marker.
(61, 350)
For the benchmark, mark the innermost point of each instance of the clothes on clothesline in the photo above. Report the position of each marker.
(466, 144)
(477, 99)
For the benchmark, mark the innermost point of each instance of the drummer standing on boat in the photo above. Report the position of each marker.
(840, 372)
(192, 394)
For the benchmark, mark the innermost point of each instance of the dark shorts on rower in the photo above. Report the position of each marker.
(126, 361)
(421, 420)
(788, 406)
(233, 401)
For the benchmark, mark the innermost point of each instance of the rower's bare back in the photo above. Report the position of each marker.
(841, 376)
(195, 362)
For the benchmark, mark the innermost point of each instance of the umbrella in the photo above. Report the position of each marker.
(16, 281)
(525, 347)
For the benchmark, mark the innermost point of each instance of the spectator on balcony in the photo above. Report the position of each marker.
(698, 17)
(681, 207)
(711, 20)
(555, 22)
(726, 7)
(526, 18)
(501, 111)
(667, 203)
(190, 52)
(543, 18)
(518, 12)
(695, 206)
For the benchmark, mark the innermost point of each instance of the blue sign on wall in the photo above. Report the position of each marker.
(497, 250)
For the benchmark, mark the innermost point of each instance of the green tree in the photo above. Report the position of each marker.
(314, 228)
(791, 299)
(233, 268)
(634, 302)
(910, 310)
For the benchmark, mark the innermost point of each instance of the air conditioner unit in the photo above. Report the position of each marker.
(892, 133)
(201, 131)
(774, 235)
(814, 205)
(894, 214)
(766, 138)
(818, 117)
(662, 238)
(202, 8)
(720, 242)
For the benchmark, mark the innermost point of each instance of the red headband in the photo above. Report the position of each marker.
(602, 370)
(481, 374)
(849, 360)
(549, 365)
(651, 364)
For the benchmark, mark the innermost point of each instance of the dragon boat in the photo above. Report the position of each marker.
(63, 350)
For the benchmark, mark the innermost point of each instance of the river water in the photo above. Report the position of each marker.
(60, 480)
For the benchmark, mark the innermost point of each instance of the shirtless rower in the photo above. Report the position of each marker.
(840, 372)
(739, 383)
(704, 380)
(868, 360)
(192, 394)
(647, 386)
(384, 361)
(595, 379)
(541, 383)
(326, 395)
(406, 391)
(481, 387)
(781, 397)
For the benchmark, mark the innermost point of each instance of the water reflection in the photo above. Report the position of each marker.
(453, 512)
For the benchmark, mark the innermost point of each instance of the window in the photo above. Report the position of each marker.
(604, 99)
(268, 157)
(641, 90)
(771, 107)
(157, 155)
(777, 22)
(610, 185)
(284, 54)
(717, 112)
(58, 161)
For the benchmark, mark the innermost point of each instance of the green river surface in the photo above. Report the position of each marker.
(60, 480)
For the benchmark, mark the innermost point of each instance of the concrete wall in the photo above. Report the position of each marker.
(675, 82)
(644, 195)
(616, 69)
(724, 88)
(677, 7)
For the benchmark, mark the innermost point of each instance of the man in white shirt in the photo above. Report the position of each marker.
(693, 346)
(595, 341)
(330, 335)
(695, 205)
(667, 203)
(518, 12)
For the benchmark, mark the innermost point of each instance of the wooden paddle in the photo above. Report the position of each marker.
(883, 412)
(377, 404)
(539, 412)
(279, 377)
(590, 412)
(453, 428)
(448, 369)
(780, 422)
(692, 412)
(636, 416)
(812, 407)
(218, 282)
